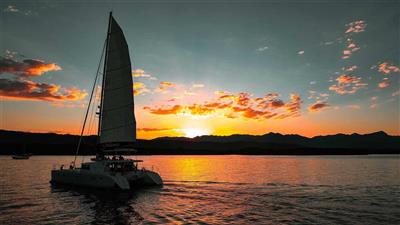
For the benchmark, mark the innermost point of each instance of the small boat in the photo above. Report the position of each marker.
(21, 156)
(116, 130)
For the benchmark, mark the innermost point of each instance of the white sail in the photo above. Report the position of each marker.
(117, 119)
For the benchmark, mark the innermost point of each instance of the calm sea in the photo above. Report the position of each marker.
(214, 190)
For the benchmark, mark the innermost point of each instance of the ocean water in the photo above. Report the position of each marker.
(213, 190)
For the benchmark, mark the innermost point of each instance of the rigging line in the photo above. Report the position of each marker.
(93, 108)
(90, 100)
(91, 117)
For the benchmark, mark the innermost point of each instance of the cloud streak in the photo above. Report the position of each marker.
(384, 83)
(29, 90)
(164, 86)
(28, 67)
(142, 73)
(261, 49)
(147, 129)
(139, 88)
(318, 106)
(241, 105)
(347, 84)
(356, 27)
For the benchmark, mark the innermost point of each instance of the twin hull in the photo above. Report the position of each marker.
(87, 178)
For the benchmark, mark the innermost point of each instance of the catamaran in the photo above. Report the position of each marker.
(116, 128)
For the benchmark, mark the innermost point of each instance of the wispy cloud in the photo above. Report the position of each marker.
(164, 110)
(29, 90)
(318, 106)
(347, 84)
(329, 42)
(350, 49)
(149, 129)
(374, 102)
(354, 106)
(142, 73)
(197, 85)
(350, 68)
(261, 49)
(318, 96)
(300, 52)
(164, 86)
(11, 9)
(373, 106)
(139, 88)
(356, 27)
(384, 83)
(14, 9)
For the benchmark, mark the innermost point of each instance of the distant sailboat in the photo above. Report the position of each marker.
(117, 127)
(22, 155)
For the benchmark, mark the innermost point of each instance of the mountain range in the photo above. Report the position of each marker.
(267, 144)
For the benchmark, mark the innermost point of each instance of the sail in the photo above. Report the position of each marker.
(117, 119)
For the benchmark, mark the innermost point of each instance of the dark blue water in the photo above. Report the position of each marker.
(214, 190)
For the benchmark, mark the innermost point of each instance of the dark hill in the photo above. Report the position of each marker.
(267, 144)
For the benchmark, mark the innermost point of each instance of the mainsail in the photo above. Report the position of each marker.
(117, 119)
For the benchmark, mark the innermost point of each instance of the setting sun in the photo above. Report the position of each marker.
(191, 132)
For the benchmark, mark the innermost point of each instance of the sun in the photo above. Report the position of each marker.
(194, 132)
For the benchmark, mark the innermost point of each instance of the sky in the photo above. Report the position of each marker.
(207, 67)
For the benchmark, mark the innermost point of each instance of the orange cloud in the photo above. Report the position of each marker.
(29, 90)
(385, 68)
(351, 68)
(165, 110)
(356, 27)
(347, 84)
(384, 83)
(351, 47)
(294, 106)
(139, 88)
(197, 109)
(146, 129)
(318, 106)
(28, 67)
(235, 106)
(164, 85)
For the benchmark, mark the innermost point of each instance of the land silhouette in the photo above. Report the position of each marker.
(12, 142)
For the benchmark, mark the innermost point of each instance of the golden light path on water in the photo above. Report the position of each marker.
(228, 189)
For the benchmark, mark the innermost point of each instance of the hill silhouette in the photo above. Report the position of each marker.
(12, 142)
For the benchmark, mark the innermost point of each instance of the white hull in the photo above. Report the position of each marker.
(105, 179)
(25, 156)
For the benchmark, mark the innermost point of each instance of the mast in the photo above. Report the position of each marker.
(104, 76)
